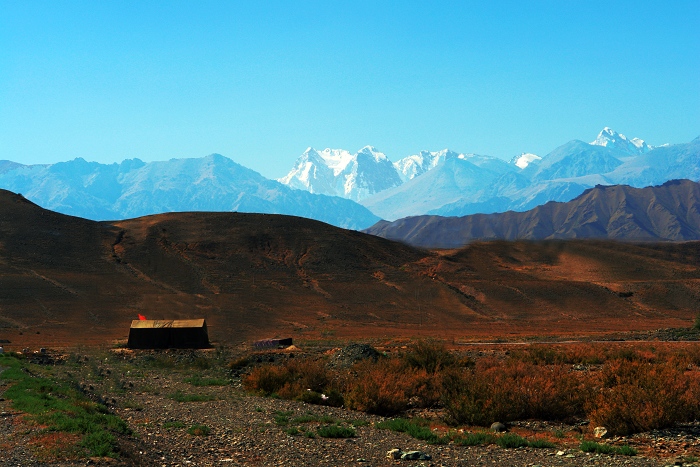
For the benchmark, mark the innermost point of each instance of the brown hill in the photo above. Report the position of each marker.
(667, 212)
(65, 280)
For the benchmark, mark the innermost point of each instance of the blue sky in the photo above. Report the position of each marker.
(260, 81)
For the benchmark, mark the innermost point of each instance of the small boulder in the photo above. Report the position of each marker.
(394, 454)
(498, 427)
(353, 353)
(415, 456)
(600, 432)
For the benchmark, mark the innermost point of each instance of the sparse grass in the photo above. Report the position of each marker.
(310, 418)
(480, 438)
(511, 440)
(180, 396)
(199, 381)
(418, 429)
(336, 431)
(176, 424)
(359, 423)
(598, 448)
(199, 430)
(541, 444)
(282, 418)
(62, 407)
(133, 405)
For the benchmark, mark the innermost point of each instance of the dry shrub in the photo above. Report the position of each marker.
(290, 380)
(267, 379)
(638, 396)
(429, 355)
(512, 390)
(388, 387)
(305, 375)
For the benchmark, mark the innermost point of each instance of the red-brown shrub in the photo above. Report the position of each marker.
(267, 379)
(387, 387)
(290, 380)
(512, 390)
(639, 396)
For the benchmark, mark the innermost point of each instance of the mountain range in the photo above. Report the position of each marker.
(352, 190)
(659, 213)
(452, 184)
(135, 188)
(66, 281)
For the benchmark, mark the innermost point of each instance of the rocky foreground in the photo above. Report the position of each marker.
(178, 423)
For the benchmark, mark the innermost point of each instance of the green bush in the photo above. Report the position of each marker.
(418, 429)
(282, 418)
(592, 446)
(541, 444)
(336, 431)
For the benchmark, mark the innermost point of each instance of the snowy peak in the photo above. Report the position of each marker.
(335, 159)
(337, 172)
(373, 153)
(524, 159)
(612, 139)
(417, 164)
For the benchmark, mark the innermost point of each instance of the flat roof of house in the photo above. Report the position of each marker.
(167, 323)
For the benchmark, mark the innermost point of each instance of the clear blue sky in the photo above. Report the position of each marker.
(259, 81)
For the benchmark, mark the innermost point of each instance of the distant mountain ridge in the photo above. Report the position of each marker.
(667, 212)
(352, 190)
(431, 183)
(135, 188)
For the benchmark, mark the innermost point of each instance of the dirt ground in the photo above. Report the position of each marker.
(244, 429)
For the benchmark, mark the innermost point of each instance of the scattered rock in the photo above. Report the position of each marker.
(600, 432)
(498, 427)
(415, 456)
(394, 454)
(353, 353)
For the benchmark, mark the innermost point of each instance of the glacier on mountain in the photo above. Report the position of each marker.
(612, 139)
(336, 172)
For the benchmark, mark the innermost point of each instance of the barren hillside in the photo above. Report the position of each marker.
(65, 280)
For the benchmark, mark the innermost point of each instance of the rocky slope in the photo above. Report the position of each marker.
(667, 212)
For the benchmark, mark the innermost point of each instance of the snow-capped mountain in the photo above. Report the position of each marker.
(336, 172)
(453, 179)
(323, 184)
(417, 164)
(561, 175)
(612, 139)
(135, 188)
(525, 159)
